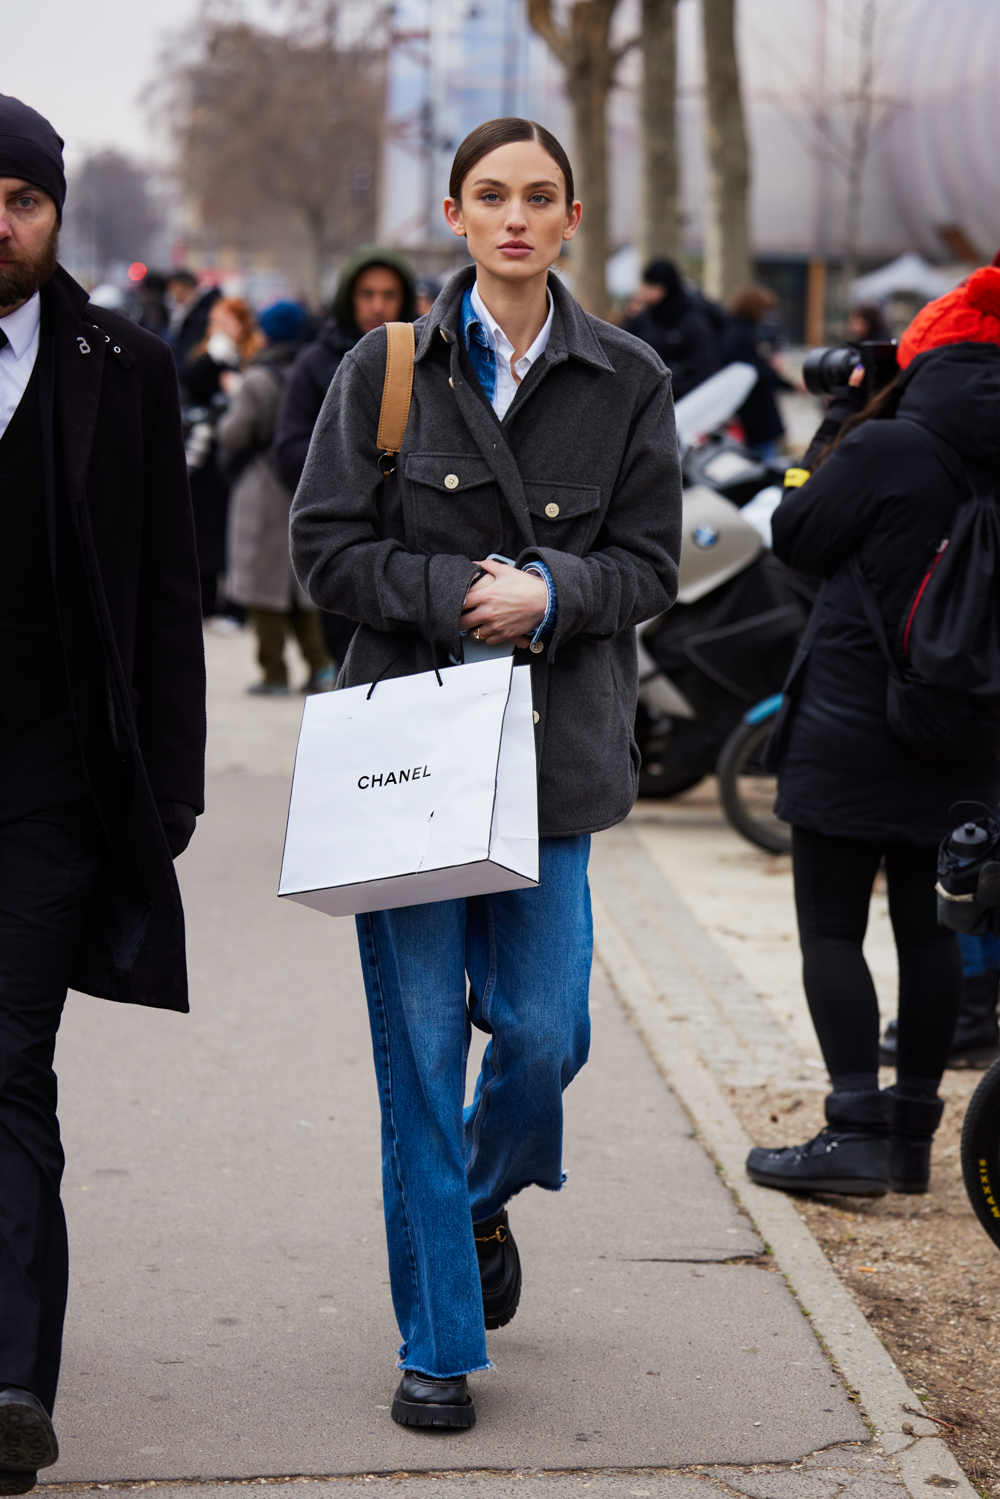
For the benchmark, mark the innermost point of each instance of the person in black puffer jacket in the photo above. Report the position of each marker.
(853, 793)
(676, 327)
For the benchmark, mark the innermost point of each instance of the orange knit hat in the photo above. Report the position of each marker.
(969, 314)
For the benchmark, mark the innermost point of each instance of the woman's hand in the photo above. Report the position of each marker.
(507, 605)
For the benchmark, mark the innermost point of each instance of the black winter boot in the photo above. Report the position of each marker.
(850, 1156)
(913, 1121)
(976, 1042)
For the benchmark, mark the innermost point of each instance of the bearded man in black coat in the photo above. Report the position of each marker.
(102, 724)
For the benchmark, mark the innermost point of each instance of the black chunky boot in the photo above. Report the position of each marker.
(499, 1269)
(912, 1123)
(850, 1156)
(423, 1401)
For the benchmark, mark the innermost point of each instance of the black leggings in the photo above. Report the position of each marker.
(833, 885)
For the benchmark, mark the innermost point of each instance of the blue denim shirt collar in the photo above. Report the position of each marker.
(477, 341)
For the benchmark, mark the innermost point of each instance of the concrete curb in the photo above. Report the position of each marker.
(835, 1317)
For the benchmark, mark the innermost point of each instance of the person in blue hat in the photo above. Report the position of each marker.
(259, 572)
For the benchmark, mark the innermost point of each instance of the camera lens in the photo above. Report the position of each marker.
(826, 370)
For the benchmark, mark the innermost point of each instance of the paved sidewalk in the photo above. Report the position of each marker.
(229, 1308)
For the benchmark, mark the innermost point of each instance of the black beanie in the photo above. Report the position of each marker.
(30, 149)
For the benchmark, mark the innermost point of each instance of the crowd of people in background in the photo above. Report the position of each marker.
(252, 385)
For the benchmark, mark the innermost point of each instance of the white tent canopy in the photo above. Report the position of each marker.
(909, 275)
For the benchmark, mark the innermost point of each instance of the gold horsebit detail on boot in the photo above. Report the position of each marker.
(500, 1234)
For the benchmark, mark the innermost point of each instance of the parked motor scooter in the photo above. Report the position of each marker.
(726, 645)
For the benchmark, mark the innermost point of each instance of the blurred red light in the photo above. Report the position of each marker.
(136, 271)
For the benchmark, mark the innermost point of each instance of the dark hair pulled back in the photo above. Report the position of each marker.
(493, 133)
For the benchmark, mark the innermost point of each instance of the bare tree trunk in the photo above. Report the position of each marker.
(860, 142)
(727, 233)
(583, 47)
(659, 234)
(315, 254)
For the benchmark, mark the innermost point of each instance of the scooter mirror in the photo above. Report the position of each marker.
(712, 403)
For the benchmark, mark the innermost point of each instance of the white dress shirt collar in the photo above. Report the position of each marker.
(21, 327)
(18, 355)
(506, 386)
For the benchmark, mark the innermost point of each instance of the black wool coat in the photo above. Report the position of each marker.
(886, 495)
(582, 473)
(127, 590)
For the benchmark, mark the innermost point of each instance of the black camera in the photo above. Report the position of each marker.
(826, 372)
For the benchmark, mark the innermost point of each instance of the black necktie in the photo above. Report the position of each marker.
(4, 340)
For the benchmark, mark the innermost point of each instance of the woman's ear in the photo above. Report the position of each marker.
(453, 215)
(573, 220)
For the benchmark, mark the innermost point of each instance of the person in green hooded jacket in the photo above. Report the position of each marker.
(376, 286)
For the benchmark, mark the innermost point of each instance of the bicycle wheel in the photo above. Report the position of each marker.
(981, 1152)
(747, 790)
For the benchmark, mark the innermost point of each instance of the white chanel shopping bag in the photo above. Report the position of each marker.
(414, 791)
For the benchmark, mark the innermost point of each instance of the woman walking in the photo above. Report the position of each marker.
(259, 575)
(870, 521)
(538, 434)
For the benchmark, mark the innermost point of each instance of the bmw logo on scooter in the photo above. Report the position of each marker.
(705, 536)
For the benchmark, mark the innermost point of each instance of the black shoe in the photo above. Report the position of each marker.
(499, 1269)
(27, 1437)
(850, 1156)
(422, 1401)
(912, 1125)
(16, 1483)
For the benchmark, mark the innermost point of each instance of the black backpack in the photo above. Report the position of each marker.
(943, 691)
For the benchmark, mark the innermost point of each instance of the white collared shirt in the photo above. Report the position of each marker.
(506, 386)
(17, 357)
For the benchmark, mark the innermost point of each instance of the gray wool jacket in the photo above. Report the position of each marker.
(581, 474)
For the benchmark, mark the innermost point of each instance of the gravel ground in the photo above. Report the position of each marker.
(920, 1267)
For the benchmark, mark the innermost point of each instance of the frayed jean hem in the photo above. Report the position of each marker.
(404, 1368)
(480, 1214)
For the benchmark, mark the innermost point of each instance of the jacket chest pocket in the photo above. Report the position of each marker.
(565, 516)
(454, 504)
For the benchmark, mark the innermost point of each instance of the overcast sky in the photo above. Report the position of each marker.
(85, 65)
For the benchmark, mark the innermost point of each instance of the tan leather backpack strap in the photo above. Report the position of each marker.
(397, 390)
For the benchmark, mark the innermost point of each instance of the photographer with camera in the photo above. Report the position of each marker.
(874, 520)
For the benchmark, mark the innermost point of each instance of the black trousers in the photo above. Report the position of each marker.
(49, 864)
(833, 886)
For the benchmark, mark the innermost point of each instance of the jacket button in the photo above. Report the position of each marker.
(451, 382)
(443, 334)
(552, 511)
(537, 646)
(535, 715)
(451, 481)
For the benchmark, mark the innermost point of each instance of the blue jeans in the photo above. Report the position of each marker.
(527, 954)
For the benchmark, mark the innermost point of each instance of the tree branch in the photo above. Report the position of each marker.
(618, 54)
(540, 19)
